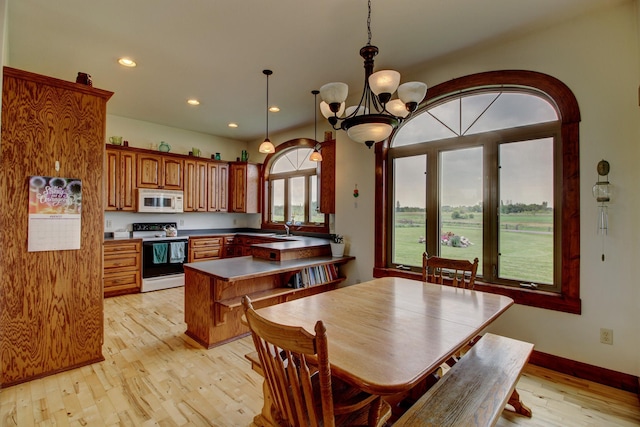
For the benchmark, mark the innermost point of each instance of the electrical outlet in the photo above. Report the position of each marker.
(235, 221)
(181, 222)
(606, 336)
(108, 223)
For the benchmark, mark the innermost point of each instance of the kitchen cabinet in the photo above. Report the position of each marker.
(122, 267)
(218, 200)
(159, 171)
(205, 248)
(196, 185)
(120, 179)
(244, 187)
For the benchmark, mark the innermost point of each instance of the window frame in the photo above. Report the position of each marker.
(281, 149)
(566, 162)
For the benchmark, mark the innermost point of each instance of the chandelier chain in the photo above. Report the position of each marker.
(369, 24)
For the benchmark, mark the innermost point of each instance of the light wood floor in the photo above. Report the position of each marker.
(154, 375)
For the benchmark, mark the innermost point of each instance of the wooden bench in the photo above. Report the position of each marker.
(476, 389)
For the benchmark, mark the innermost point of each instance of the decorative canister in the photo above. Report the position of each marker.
(164, 147)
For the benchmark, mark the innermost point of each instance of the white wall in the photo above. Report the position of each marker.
(597, 56)
(141, 134)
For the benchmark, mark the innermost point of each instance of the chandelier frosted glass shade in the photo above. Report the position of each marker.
(326, 110)
(370, 128)
(334, 93)
(384, 83)
(397, 108)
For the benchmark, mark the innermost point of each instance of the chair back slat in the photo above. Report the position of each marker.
(453, 272)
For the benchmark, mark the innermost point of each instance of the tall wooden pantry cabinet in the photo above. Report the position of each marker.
(51, 310)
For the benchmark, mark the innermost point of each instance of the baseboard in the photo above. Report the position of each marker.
(585, 371)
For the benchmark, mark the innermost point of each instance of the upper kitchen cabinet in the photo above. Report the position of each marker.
(120, 169)
(159, 171)
(51, 301)
(244, 187)
(218, 187)
(195, 185)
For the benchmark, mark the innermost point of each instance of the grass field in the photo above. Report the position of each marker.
(526, 243)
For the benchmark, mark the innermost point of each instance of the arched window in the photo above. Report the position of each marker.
(292, 188)
(488, 169)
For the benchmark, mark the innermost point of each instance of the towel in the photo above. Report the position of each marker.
(177, 252)
(160, 253)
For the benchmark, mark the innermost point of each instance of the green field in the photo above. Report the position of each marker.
(526, 243)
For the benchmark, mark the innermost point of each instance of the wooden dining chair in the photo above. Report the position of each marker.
(458, 273)
(296, 368)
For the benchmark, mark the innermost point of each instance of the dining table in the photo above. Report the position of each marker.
(387, 335)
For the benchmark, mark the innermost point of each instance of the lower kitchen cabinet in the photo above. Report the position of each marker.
(122, 267)
(205, 248)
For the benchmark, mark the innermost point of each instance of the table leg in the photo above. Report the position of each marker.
(517, 404)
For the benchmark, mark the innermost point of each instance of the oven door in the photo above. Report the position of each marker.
(164, 257)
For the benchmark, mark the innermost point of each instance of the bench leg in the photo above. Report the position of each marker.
(517, 404)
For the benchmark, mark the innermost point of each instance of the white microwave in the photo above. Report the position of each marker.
(160, 201)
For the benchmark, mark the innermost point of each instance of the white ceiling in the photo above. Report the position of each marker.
(215, 50)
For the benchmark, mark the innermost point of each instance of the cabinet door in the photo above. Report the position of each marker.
(112, 196)
(149, 173)
(127, 181)
(244, 187)
(171, 177)
(202, 186)
(120, 180)
(190, 186)
(218, 187)
(195, 186)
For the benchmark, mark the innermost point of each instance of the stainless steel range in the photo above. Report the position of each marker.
(162, 255)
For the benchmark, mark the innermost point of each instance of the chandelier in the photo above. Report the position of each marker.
(376, 115)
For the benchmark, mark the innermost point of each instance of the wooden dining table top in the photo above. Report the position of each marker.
(388, 334)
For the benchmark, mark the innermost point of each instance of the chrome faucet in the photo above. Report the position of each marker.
(286, 228)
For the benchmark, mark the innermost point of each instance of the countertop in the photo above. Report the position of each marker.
(248, 267)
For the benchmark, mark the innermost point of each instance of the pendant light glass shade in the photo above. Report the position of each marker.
(267, 147)
(315, 156)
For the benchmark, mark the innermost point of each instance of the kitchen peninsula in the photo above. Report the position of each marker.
(275, 273)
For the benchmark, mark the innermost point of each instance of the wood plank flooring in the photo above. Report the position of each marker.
(154, 375)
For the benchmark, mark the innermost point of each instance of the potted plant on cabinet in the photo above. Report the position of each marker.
(337, 245)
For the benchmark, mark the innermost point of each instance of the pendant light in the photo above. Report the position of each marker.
(315, 155)
(376, 115)
(267, 146)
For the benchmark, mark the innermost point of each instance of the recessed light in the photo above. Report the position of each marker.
(274, 109)
(233, 125)
(127, 62)
(193, 102)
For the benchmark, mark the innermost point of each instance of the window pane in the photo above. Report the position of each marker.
(509, 110)
(461, 198)
(293, 160)
(296, 199)
(314, 214)
(277, 200)
(526, 211)
(409, 217)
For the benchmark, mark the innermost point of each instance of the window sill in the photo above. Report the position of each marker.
(530, 297)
